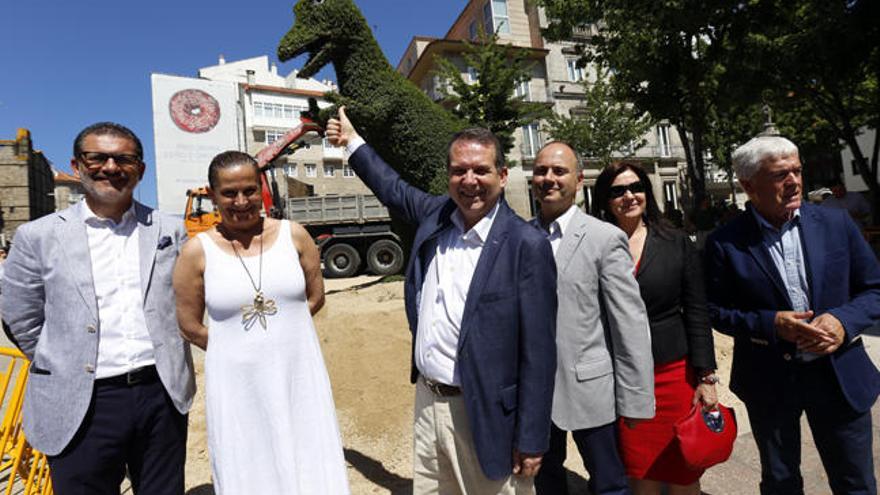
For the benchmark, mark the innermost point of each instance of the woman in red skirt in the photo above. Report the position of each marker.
(668, 270)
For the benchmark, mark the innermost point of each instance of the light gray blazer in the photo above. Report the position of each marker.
(603, 342)
(48, 302)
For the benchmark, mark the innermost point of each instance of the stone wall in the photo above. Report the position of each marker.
(26, 184)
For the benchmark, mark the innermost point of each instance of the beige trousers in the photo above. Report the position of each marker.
(444, 457)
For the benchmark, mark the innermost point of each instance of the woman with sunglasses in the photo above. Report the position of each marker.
(668, 271)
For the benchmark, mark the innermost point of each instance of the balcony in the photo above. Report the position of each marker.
(584, 32)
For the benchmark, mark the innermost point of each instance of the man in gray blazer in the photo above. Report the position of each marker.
(604, 368)
(87, 298)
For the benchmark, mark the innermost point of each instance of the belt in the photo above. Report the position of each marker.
(441, 389)
(147, 374)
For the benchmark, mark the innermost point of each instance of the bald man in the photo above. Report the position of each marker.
(604, 364)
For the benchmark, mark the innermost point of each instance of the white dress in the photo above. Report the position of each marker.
(272, 425)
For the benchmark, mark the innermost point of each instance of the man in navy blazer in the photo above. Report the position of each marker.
(795, 285)
(481, 303)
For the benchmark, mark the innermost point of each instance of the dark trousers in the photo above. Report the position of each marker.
(135, 427)
(842, 435)
(598, 449)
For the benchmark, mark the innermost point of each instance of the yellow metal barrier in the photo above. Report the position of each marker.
(23, 468)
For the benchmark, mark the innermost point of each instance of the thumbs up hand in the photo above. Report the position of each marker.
(340, 131)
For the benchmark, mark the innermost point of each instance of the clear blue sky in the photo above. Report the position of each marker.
(67, 64)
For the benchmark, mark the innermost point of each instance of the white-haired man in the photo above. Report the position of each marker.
(795, 285)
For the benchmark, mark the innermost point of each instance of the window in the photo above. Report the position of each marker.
(663, 140)
(311, 170)
(522, 89)
(329, 170)
(290, 169)
(495, 17)
(670, 194)
(273, 135)
(473, 75)
(575, 73)
(277, 110)
(487, 18)
(472, 31)
(347, 172)
(531, 140)
(325, 143)
(588, 191)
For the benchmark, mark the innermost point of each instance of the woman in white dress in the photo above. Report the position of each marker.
(271, 419)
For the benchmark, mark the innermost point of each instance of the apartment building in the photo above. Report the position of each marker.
(244, 105)
(556, 79)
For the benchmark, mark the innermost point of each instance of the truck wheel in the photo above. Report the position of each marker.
(385, 257)
(341, 260)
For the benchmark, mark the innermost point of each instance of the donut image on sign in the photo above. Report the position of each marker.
(193, 110)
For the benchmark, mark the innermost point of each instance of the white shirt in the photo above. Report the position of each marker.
(443, 296)
(124, 343)
(557, 227)
(444, 293)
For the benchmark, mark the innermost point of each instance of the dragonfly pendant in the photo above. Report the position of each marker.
(258, 311)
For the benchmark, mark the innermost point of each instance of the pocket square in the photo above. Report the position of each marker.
(164, 242)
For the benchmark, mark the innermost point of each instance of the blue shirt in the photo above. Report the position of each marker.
(784, 246)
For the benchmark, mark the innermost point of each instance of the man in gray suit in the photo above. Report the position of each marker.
(604, 368)
(87, 298)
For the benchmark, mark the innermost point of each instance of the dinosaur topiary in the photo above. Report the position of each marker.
(404, 126)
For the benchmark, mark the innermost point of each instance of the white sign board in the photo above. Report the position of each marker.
(193, 121)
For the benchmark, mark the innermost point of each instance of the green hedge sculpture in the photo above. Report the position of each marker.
(401, 123)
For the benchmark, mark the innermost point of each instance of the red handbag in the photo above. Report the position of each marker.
(706, 437)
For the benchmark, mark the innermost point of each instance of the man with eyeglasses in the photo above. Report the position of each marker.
(87, 298)
(603, 345)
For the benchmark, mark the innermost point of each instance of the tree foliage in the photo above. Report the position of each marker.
(823, 58)
(605, 127)
(668, 60)
(490, 101)
(708, 67)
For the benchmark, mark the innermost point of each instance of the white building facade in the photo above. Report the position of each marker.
(243, 105)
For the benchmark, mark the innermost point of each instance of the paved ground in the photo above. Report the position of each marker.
(741, 474)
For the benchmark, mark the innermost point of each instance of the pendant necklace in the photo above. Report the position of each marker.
(262, 305)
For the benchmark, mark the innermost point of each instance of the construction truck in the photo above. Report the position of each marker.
(353, 231)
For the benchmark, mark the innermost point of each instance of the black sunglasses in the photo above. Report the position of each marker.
(633, 187)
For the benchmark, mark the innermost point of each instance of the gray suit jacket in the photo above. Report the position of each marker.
(603, 342)
(48, 302)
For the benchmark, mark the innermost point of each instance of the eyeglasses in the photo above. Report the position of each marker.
(633, 187)
(95, 159)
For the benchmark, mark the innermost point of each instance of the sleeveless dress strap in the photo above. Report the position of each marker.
(287, 242)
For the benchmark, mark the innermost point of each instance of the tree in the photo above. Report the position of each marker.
(823, 56)
(670, 60)
(604, 127)
(490, 101)
(695, 63)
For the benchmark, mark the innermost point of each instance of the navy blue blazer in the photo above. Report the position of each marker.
(745, 291)
(507, 346)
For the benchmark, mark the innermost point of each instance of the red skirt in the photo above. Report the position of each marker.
(649, 451)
